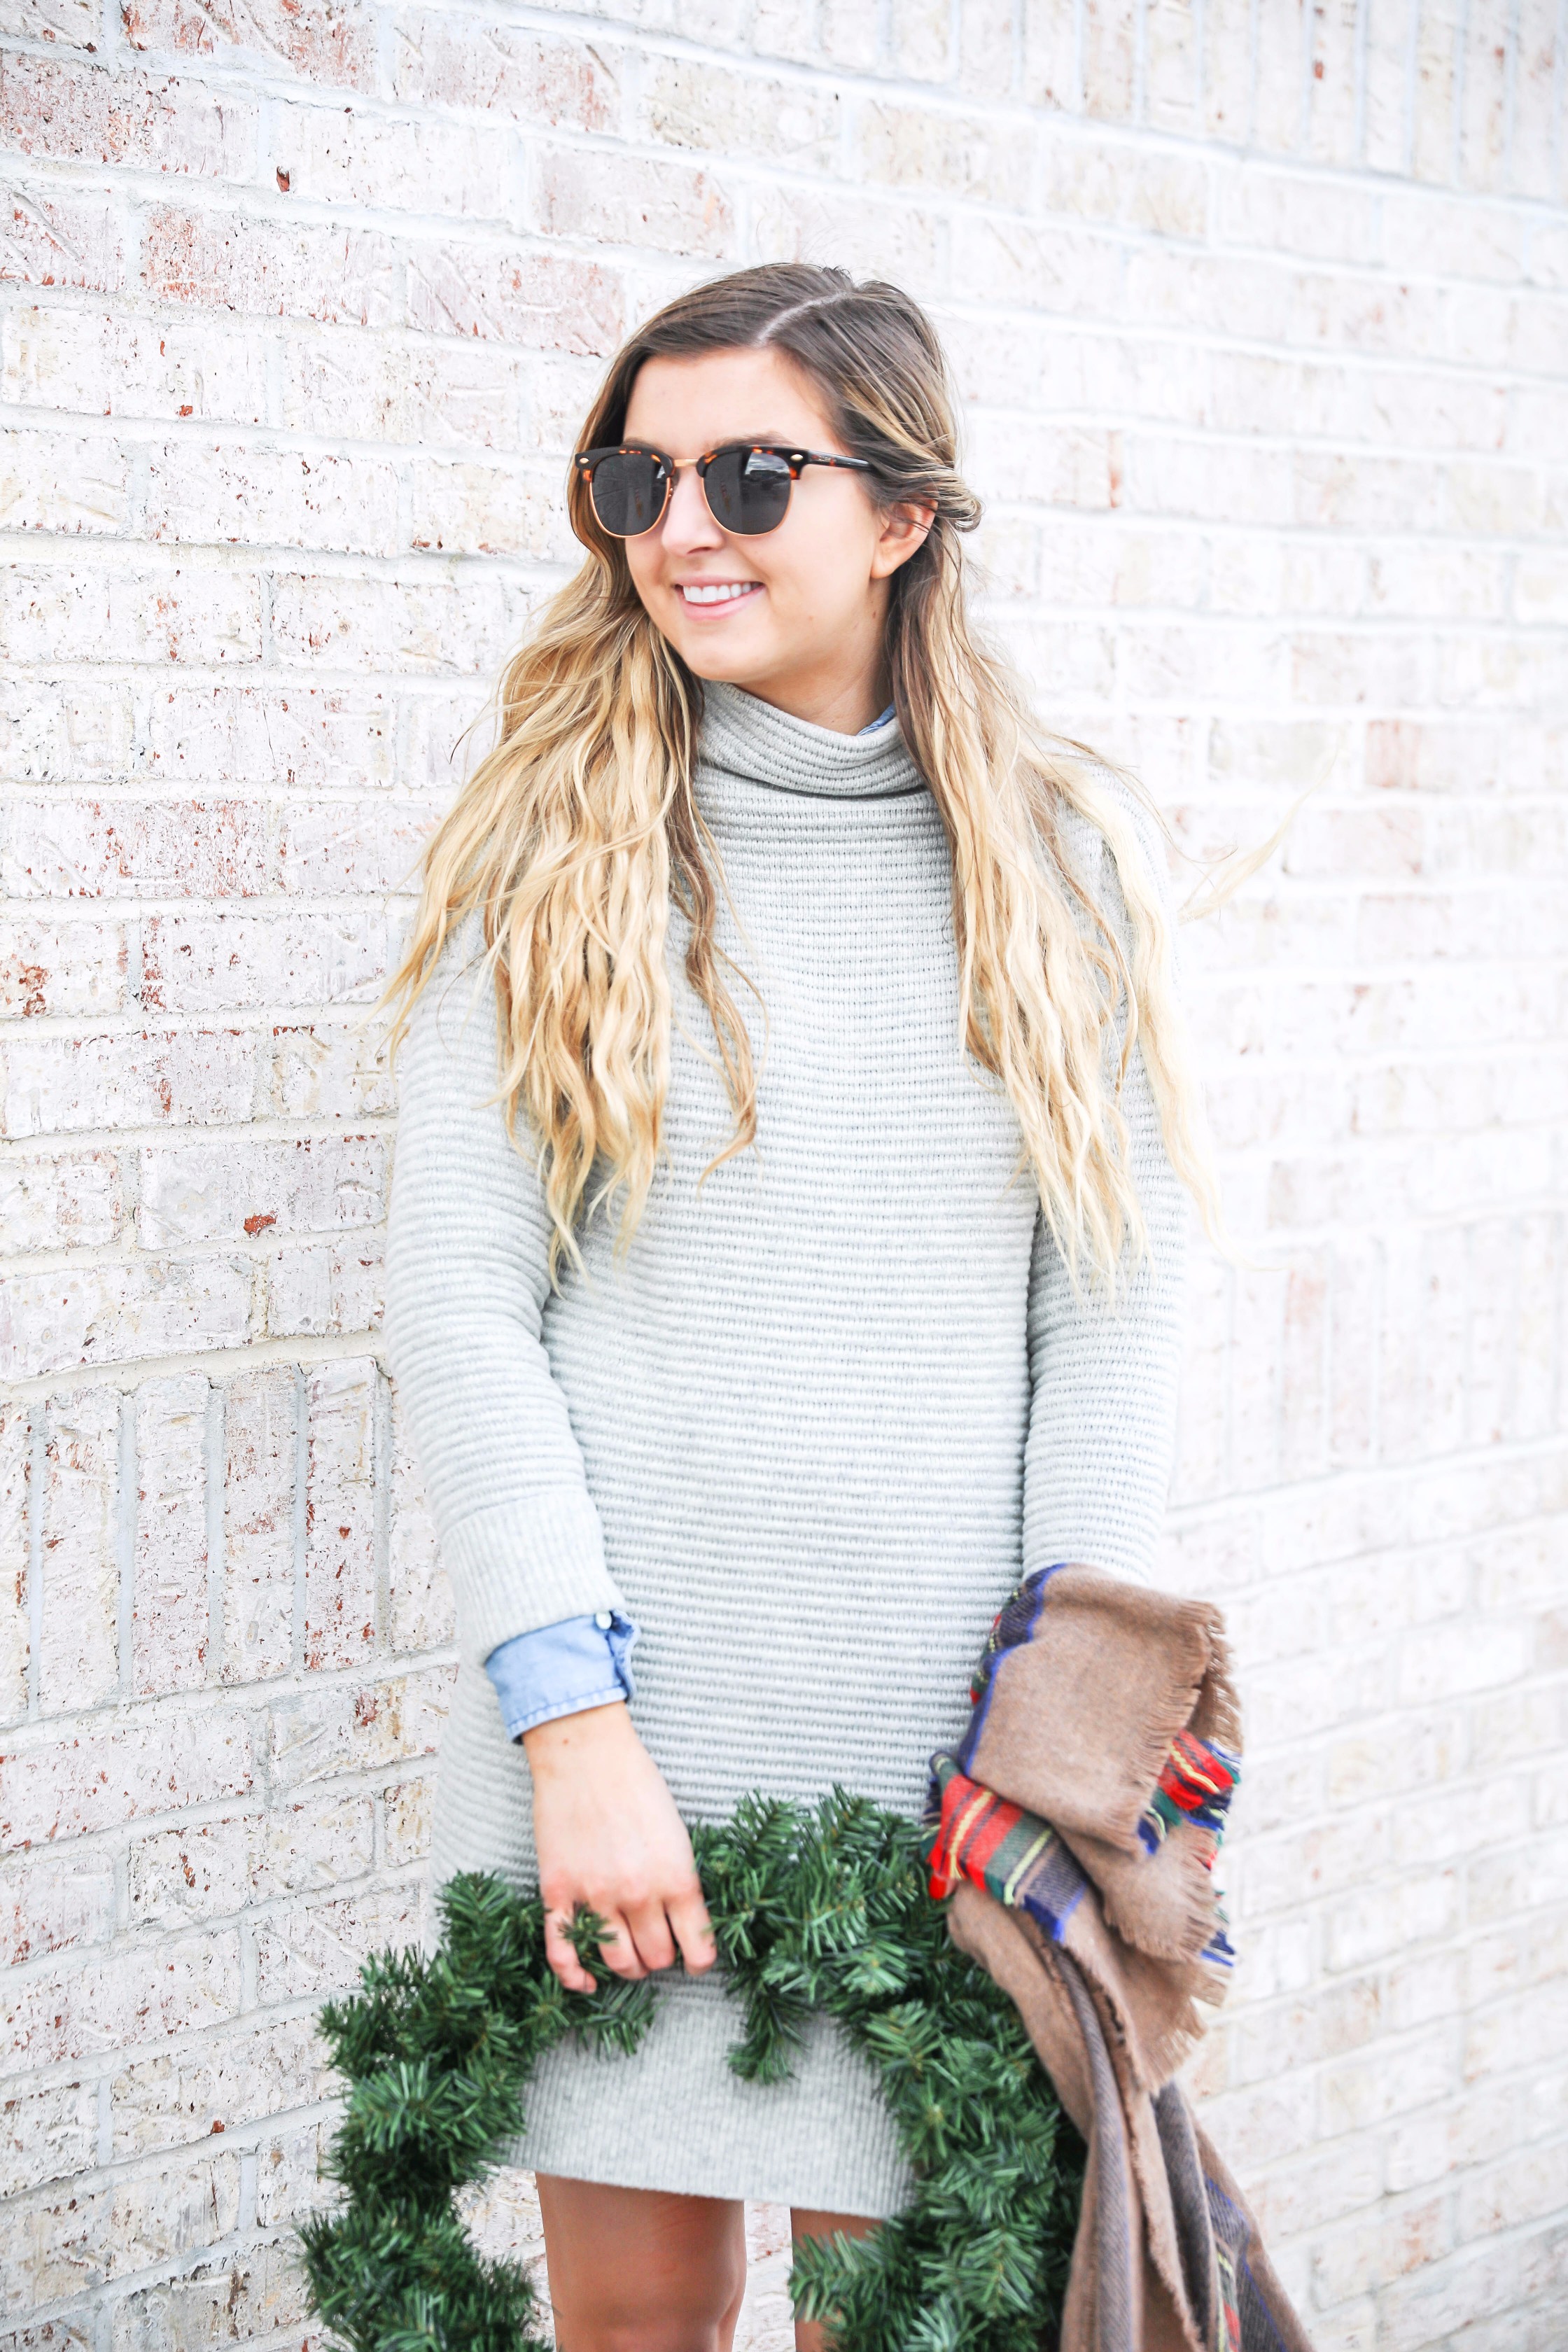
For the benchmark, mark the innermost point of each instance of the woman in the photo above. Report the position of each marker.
(805, 1266)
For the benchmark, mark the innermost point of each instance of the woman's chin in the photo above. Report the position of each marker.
(720, 659)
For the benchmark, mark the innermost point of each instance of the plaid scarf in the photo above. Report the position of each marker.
(1075, 1829)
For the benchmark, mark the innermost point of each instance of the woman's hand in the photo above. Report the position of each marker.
(609, 1836)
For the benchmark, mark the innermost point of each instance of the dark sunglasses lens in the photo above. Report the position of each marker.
(748, 489)
(628, 493)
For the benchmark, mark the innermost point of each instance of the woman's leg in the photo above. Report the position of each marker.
(636, 2270)
(803, 2224)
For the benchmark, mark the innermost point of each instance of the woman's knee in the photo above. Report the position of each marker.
(648, 2316)
(637, 2271)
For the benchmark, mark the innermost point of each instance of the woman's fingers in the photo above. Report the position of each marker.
(650, 1934)
(560, 1955)
(640, 1940)
(618, 1948)
(693, 1929)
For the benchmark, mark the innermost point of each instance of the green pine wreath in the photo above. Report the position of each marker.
(823, 1908)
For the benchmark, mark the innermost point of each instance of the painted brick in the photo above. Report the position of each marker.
(903, 147)
(98, 363)
(68, 115)
(233, 963)
(214, 495)
(317, 1947)
(127, 849)
(261, 1420)
(52, 1900)
(112, 1313)
(247, 2296)
(47, 2135)
(863, 234)
(61, 969)
(212, 1869)
(58, 1084)
(315, 1735)
(16, 1568)
(541, 301)
(194, 1191)
(326, 619)
(82, 1508)
(510, 75)
(691, 103)
(64, 2240)
(64, 237)
(338, 50)
(272, 269)
(1537, 49)
(347, 157)
(1398, 2241)
(250, 735)
(290, 2183)
(334, 846)
(69, 730)
(408, 1814)
(610, 202)
(180, 2098)
(62, 1788)
(169, 1603)
(328, 1286)
(420, 1595)
(172, 1988)
(328, 1070)
(49, 483)
(340, 1514)
(161, 614)
(472, 510)
(401, 389)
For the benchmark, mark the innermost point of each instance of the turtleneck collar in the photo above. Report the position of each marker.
(744, 737)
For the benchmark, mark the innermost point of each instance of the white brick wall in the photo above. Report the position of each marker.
(1261, 312)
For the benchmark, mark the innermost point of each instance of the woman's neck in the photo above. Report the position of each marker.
(845, 704)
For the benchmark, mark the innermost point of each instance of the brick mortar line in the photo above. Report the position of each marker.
(631, 260)
(275, 328)
(151, 1942)
(229, 2141)
(305, 1349)
(132, 430)
(252, 1697)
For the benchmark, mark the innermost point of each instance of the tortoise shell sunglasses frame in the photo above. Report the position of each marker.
(741, 481)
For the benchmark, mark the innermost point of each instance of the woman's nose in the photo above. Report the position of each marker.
(689, 521)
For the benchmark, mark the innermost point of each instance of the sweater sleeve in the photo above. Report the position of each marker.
(1103, 1379)
(468, 1237)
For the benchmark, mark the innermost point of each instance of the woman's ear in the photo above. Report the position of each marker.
(905, 528)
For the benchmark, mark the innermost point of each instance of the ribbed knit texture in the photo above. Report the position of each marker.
(807, 1434)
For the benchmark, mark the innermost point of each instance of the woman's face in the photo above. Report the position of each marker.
(795, 614)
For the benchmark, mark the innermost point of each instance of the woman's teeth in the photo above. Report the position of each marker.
(722, 591)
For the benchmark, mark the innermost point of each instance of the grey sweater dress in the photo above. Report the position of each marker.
(807, 1434)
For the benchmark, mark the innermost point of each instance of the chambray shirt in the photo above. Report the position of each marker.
(579, 1662)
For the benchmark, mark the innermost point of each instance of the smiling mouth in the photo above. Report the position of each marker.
(717, 592)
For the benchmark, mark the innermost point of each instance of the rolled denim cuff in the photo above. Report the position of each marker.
(563, 1668)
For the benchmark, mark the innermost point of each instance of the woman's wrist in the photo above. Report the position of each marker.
(568, 1741)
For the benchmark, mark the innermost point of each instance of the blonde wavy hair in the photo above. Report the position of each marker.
(577, 832)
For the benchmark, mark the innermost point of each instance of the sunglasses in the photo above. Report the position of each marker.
(746, 484)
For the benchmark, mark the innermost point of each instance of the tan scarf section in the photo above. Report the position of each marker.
(1075, 1725)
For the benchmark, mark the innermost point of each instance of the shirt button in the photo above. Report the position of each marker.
(602, 1620)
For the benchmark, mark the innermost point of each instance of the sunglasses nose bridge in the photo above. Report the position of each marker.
(686, 501)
